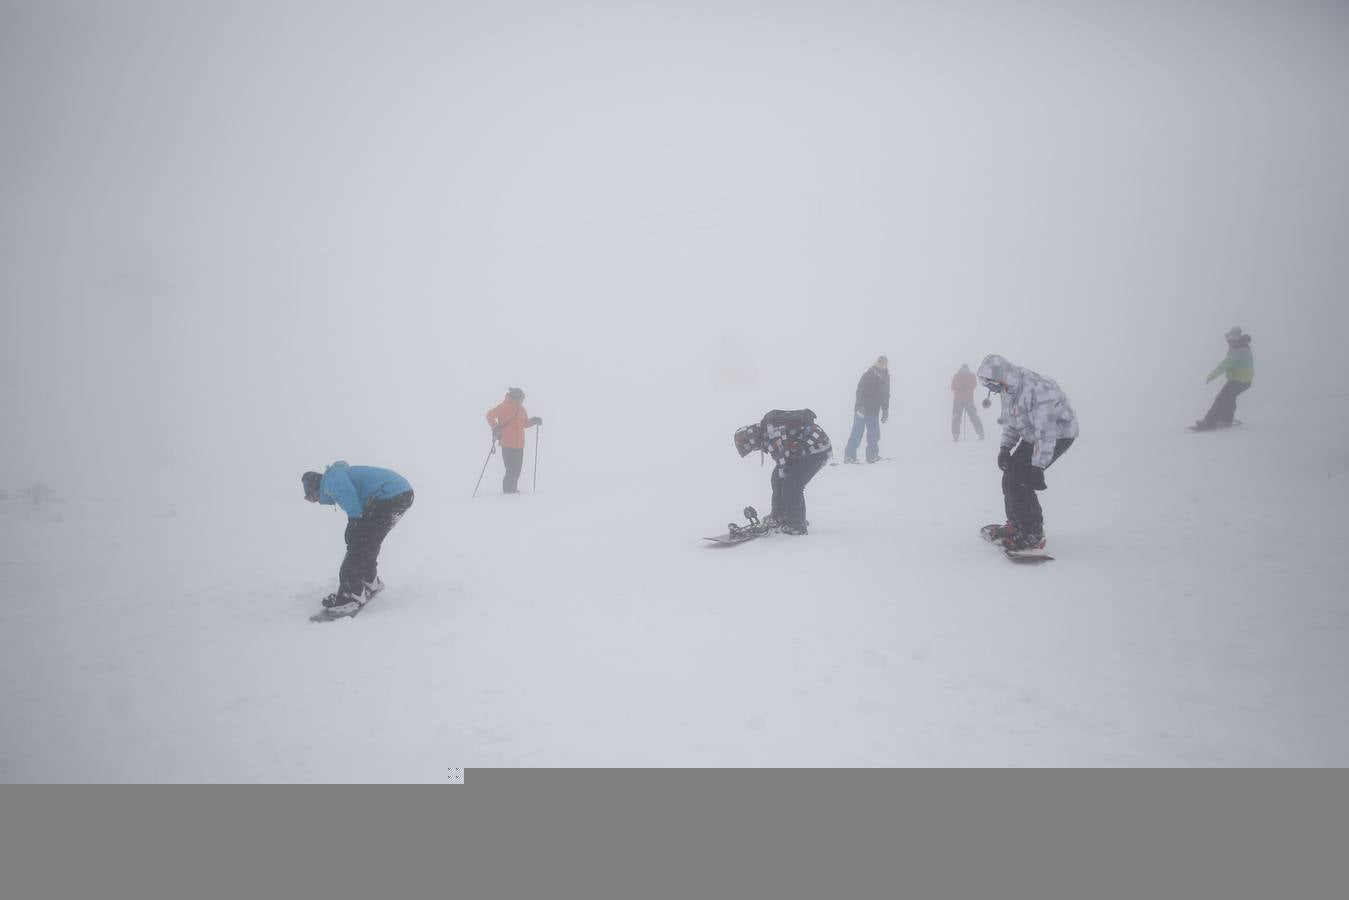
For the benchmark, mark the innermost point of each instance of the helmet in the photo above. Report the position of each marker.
(516, 394)
(748, 439)
(311, 480)
(1234, 333)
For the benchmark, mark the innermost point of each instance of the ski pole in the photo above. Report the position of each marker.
(484, 466)
(538, 439)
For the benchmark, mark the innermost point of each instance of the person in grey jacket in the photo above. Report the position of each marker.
(1038, 426)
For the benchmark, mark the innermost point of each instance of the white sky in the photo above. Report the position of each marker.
(268, 235)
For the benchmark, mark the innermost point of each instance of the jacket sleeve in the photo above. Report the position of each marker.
(492, 418)
(885, 398)
(1222, 367)
(337, 485)
(861, 390)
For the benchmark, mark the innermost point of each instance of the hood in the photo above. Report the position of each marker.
(748, 439)
(999, 368)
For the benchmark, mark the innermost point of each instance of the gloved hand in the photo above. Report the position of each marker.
(496, 432)
(885, 416)
(1034, 478)
(859, 413)
(1004, 458)
(536, 420)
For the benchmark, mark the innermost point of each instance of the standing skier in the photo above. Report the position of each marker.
(1239, 365)
(1038, 426)
(962, 404)
(374, 500)
(800, 448)
(508, 421)
(870, 410)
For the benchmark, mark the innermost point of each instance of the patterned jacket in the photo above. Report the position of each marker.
(1034, 408)
(796, 442)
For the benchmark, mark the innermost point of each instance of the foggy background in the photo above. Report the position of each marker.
(242, 240)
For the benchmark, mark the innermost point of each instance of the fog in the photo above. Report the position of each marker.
(241, 240)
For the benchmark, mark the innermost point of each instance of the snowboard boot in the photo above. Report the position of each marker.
(342, 604)
(998, 533)
(1025, 541)
(794, 529)
(372, 588)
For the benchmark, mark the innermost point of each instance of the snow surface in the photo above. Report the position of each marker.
(1195, 616)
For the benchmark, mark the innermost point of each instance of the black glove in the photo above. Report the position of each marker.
(1004, 458)
(884, 417)
(1034, 478)
(536, 420)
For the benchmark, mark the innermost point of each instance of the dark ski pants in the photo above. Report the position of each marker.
(514, 458)
(789, 488)
(1021, 503)
(1225, 404)
(963, 407)
(364, 538)
(872, 426)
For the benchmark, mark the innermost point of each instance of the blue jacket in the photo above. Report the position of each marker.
(353, 487)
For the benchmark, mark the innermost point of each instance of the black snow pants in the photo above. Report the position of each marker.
(1020, 502)
(789, 482)
(1225, 404)
(514, 458)
(964, 407)
(364, 538)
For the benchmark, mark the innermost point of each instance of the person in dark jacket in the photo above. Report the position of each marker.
(1239, 367)
(871, 409)
(800, 448)
(374, 500)
(963, 384)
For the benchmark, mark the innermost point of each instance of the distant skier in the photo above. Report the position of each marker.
(962, 389)
(1038, 426)
(800, 448)
(1239, 366)
(870, 410)
(374, 500)
(508, 421)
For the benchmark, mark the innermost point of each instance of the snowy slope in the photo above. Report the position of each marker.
(1177, 627)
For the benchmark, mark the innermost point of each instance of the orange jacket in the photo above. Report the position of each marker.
(513, 419)
(964, 384)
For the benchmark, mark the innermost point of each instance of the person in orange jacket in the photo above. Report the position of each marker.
(508, 421)
(962, 390)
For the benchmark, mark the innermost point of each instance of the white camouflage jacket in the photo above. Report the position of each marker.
(1034, 408)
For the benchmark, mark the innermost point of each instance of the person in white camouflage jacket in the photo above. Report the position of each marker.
(800, 448)
(1038, 426)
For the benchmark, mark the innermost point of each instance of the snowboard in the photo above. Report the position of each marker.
(1198, 427)
(1024, 557)
(327, 615)
(739, 534)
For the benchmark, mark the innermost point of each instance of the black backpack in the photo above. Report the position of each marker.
(788, 418)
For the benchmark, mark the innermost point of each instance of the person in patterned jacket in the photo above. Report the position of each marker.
(1038, 426)
(800, 448)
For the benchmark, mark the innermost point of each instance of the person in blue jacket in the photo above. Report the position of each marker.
(374, 500)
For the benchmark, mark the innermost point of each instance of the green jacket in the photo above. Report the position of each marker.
(1239, 365)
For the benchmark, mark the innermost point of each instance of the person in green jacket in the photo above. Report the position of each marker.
(1239, 366)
